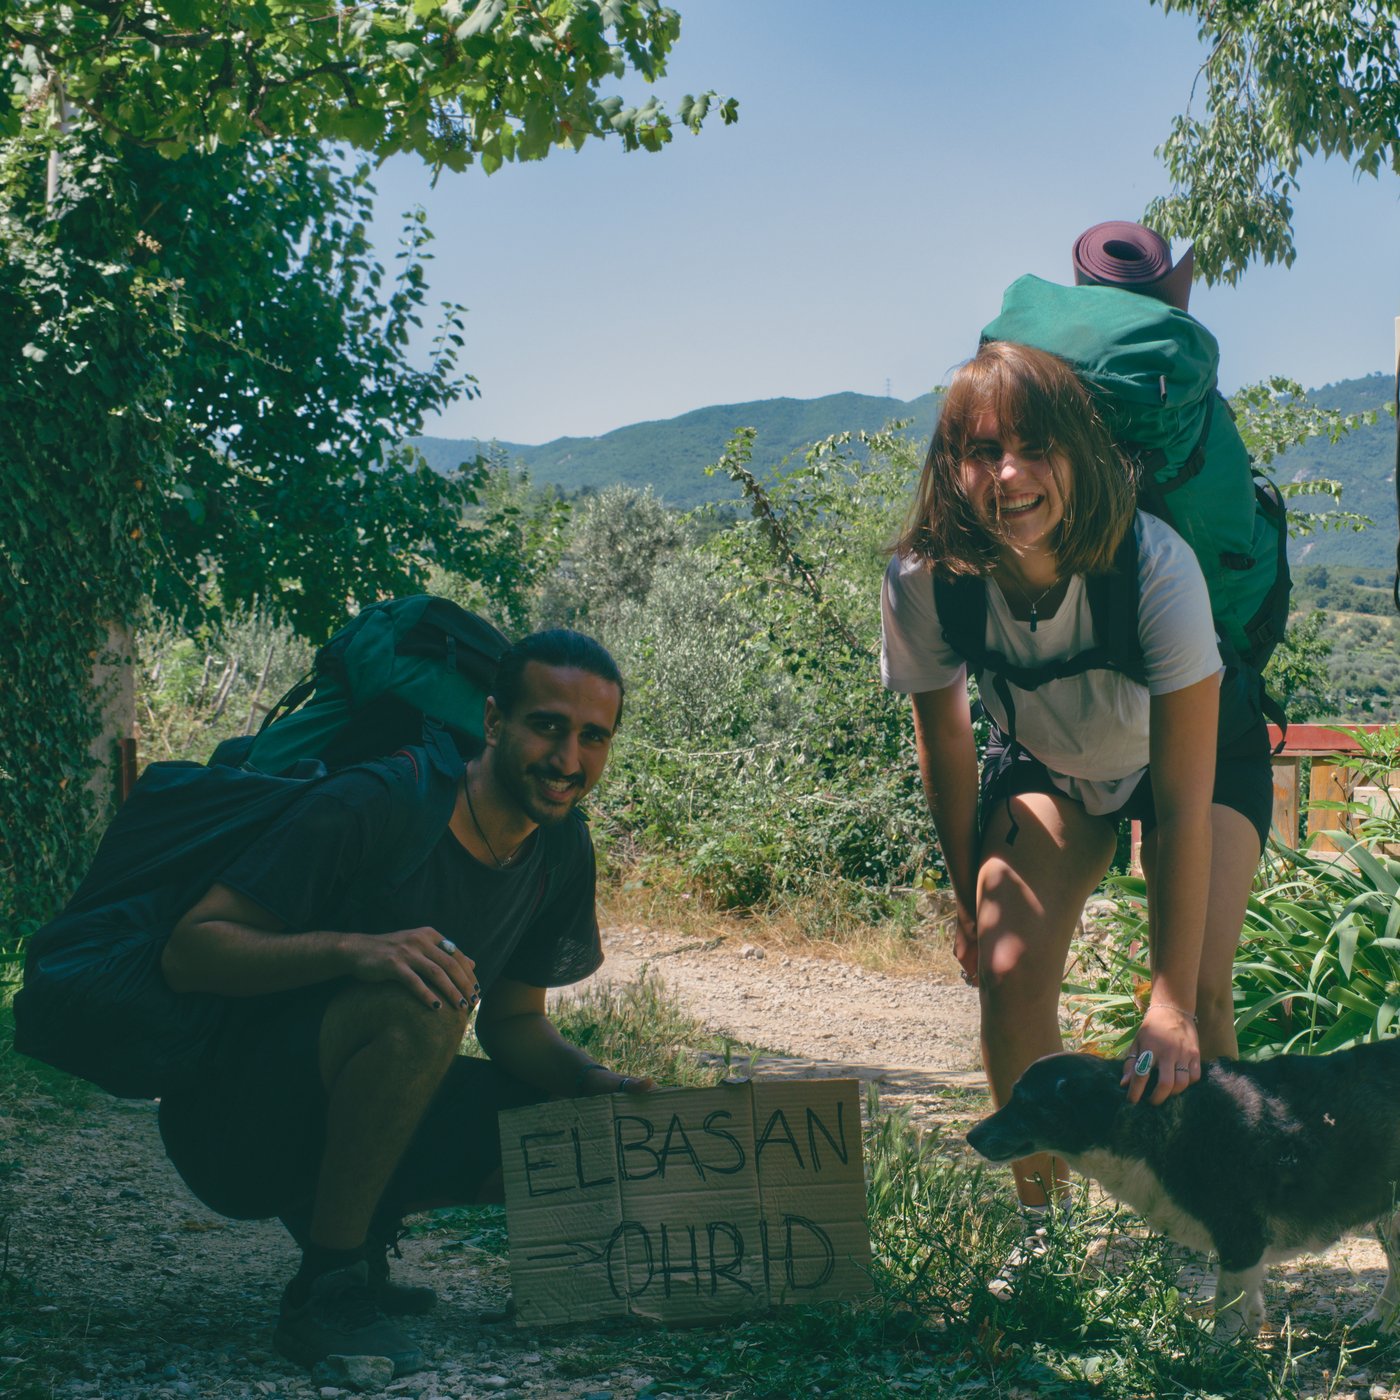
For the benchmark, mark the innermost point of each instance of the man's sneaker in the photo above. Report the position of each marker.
(395, 1299)
(1033, 1244)
(341, 1318)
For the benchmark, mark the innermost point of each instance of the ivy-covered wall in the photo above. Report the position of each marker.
(85, 454)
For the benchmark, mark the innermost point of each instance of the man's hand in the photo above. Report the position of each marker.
(432, 968)
(1167, 1040)
(598, 1079)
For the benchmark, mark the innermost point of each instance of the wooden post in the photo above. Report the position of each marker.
(1328, 782)
(114, 685)
(1286, 798)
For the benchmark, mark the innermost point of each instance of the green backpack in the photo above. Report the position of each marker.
(1152, 370)
(394, 668)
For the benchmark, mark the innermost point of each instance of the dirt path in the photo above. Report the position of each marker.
(144, 1293)
(913, 1038)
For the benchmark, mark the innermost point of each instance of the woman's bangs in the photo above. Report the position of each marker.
(1010, 390)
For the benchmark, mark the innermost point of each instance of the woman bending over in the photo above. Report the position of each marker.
(1024, 489)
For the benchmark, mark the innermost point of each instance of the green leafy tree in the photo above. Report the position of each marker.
(618, 538)
(765, 758)
(1282, 80)
(291, 393)
(523, 531)
(454, 82)
(207, 371)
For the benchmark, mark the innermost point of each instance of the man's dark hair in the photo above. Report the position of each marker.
(559, 646)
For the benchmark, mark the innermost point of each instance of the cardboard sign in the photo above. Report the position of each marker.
(686, 1204)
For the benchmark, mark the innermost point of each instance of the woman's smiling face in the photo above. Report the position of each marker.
(1016, 488)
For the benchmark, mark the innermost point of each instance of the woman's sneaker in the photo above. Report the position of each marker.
(339, 1317)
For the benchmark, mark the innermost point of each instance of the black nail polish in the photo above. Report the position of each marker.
(437, 1006)
(461, 1001)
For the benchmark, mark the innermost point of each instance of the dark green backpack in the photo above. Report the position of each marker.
(375, 683)
(94, 1001)
(407, 678)
(1152, 370)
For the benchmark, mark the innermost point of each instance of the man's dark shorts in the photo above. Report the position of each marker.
(1243, 774)
(248, 1139)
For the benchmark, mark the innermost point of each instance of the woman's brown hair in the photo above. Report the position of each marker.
(1036, 397)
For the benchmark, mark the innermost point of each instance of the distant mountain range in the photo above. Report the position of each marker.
(671, 455)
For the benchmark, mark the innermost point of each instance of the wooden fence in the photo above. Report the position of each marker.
(1328, 781)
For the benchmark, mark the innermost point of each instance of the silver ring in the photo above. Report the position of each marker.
(447, 945)
(967, 978)
(1183, 1069)
(1142, 1066)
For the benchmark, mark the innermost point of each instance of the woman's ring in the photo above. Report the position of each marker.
(1142, 1066)
(967, 978)
(447, 945)
(1183, 1069)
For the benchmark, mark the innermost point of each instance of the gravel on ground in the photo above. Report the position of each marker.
(154, 1296)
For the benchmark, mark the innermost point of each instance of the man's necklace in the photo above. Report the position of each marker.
(500, 864)
(1033, 603)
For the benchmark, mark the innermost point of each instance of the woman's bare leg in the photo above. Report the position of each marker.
(1234, 858)
(1030, 895)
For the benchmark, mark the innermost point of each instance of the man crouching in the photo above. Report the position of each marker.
(336, 1098)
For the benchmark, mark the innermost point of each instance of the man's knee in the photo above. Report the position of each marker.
(392, 1019)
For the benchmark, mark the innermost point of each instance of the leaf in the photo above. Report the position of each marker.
(1347, 932)
(483, 16)
(1347, 1031)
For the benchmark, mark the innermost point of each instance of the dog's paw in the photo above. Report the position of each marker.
(1238, 1316)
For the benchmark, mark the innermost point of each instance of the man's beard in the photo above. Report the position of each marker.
(516, 785)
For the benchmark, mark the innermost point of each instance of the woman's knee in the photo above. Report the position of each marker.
(1014, 974)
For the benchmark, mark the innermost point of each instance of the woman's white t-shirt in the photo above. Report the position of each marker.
(1090, 730)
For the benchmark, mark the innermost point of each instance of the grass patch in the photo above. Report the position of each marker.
(1099, 1315)
(637, 1029)
(916, 943)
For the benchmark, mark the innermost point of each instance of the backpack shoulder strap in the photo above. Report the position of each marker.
(422, 780)
(1113, 604)
(961, 604)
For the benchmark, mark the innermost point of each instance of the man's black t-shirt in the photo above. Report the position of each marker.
(533, 921)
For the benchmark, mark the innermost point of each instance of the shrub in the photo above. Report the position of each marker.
(1318, 967)
(194, 689)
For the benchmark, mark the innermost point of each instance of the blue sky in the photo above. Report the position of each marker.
(895, 165)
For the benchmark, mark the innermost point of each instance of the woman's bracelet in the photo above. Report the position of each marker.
(583, 1073)
(1155, 1005)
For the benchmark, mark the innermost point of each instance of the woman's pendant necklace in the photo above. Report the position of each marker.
(1035, 602)
(1035, 619)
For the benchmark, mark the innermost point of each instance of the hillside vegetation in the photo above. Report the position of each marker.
(670, 456)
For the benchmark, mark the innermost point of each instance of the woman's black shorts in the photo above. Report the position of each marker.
(1243, 774)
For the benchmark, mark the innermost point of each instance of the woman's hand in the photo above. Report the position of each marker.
(1168, 1036)
(965, 944)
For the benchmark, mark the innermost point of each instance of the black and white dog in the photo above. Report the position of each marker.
(1257, 1162)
